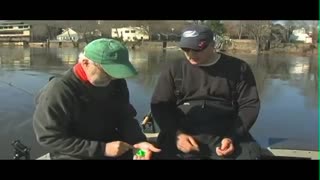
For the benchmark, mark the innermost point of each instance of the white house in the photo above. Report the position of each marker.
(15, 31)
(300, 35)
(130, 33)
(68, 35)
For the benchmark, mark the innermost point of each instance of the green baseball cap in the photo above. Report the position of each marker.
(112, 55)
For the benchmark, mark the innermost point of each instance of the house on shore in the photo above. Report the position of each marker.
(300, 35)
(130, 33)
(17, 33)
(68, 35)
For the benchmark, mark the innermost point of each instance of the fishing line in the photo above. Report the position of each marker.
(16, 87)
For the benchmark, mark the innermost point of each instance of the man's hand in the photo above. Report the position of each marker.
(116, 148)
(186, 143)
(147, 148)
(227, 147)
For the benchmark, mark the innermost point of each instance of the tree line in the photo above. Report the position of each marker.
(263, 31)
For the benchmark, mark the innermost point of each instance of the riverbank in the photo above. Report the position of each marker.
(236, 46)
(275, 51)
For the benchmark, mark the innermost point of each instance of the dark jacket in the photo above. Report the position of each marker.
(75, 120)
(214, 83)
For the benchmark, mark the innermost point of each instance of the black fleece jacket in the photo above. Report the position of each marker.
(206, 82)
(75, 120)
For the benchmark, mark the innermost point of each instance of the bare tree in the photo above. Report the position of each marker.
(153, 26)
(315, 37)
(240, 27)
(39, 33)
(217, 27)
(279, 33)
(315, 30)
(52, 31)
(236, 29)
(49, 29)
(149, 26)
(260, 31)
(290, 26)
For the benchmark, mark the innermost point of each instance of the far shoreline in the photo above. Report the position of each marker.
(295, 49)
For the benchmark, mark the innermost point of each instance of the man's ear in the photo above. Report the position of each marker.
(85, 62)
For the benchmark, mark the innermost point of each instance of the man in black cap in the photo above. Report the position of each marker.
(205, 105)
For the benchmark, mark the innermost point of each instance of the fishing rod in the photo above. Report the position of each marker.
(16, 87)
(24, 90)
(20, 150)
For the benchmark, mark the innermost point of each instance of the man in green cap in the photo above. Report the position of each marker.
(86, 113)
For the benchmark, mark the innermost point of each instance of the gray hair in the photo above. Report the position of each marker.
(83, 57)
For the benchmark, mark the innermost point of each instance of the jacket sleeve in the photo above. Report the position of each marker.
(51, 122)
(248, 103)
(129, 127)
(163, 103)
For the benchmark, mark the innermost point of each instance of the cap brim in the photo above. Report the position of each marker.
(120, 70)
(189, 43)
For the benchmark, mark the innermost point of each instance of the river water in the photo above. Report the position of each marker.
(287, 84)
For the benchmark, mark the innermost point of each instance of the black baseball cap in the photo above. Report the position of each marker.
(196, 37)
